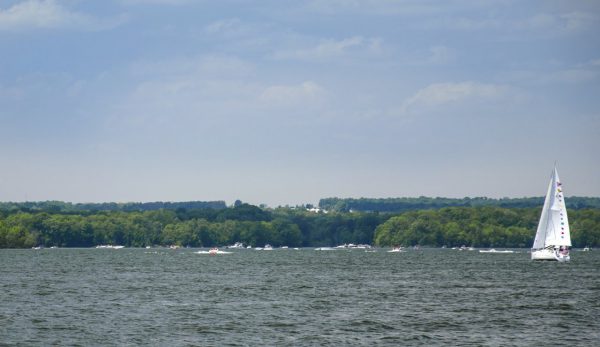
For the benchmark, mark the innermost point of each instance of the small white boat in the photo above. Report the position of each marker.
(268, 247)
(353, 246)
(213, 251)
(492, 250)
(236, 245)
(284, 247)
(324, 249)
(396, 250)
(110, 246)
(585, 249)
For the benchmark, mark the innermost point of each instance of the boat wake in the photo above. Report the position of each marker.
(213, 252)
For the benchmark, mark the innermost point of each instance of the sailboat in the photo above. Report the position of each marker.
(553, 238)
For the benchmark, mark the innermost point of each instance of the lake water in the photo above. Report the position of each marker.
(166, 297)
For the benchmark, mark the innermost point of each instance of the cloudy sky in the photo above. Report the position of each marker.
(286, 102)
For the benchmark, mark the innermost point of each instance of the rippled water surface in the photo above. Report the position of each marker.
(296, 297)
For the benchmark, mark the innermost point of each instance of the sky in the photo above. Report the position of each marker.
(285, 102)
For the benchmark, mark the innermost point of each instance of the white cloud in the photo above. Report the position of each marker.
(48, 14)
(227, 26)
(564, 23)
(544, 24)
(289, 95)
(441, 55)
(10, 93)
(574, 74)
(438, 94)
(328, 49)
(209, 65)
(578, 21)
(208, 89)
(377, 7)
(155, 2)
(571, 76)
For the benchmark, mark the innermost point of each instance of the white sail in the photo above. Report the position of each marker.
(553, 228)
(560, 235)
(540, 235)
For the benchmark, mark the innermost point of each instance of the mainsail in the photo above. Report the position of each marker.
(553, 228)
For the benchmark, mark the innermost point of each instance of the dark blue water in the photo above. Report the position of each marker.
(165, 297)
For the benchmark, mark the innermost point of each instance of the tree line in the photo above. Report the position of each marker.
(483, 226)
(61, 206)
(425, 203)
(486, 226)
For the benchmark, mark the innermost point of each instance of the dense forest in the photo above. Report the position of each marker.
(60, 206)
(425, 203)
(481, 226)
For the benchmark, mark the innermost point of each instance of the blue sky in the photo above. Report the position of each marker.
(286, 102)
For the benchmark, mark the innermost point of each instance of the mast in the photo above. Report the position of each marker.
(540, 235)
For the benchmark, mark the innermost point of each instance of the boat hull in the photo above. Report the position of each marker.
(550, 255)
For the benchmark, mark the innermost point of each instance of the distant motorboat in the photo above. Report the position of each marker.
(268, 247)
(110, 246)
(213, 251)
(396, 250)
(353, 246)
(585, 249)
(236, 245)
(324, 249)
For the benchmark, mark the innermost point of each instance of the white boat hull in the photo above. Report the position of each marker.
(549, 254)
